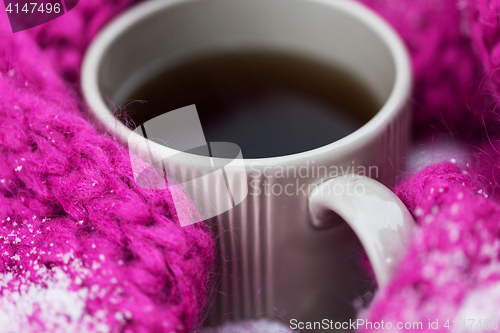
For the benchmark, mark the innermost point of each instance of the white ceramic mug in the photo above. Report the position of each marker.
(284, 256)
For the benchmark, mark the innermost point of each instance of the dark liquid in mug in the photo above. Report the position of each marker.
(269, 103)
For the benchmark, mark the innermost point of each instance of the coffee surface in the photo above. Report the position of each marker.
(269, 103)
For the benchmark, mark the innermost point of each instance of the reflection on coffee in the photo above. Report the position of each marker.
(268, 103)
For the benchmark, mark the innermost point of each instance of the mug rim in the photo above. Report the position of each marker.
(393, 105)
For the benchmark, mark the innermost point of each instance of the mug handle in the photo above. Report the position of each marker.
(377, 216)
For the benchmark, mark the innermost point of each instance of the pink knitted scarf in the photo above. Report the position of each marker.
(84, 250)
(450, 278)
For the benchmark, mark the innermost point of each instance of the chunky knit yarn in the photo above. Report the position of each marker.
(450, 274)
(451, 271)
(447, 73)
(82, 248)
(484, 30)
